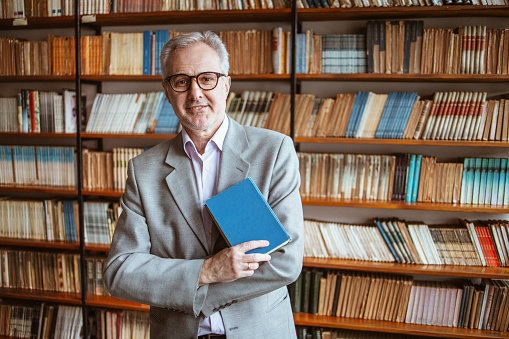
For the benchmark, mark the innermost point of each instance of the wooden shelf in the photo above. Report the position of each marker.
(97, 247)
(40, 22)
(63, 245)
(104, 193)
(411, 142)
(305, 319)
(236, 77)
(365, 13)
(401, 205)
(38, 189)
(126, 136)
(188, 17)
(110, 302)
(57, 297)
(377, 77)
(37, 78)
(390, 267)
(37, 135)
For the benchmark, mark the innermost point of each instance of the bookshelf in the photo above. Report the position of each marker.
(325, 85)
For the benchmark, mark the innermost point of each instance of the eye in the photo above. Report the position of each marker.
(180, 80)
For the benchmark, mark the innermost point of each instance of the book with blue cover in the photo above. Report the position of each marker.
(242, 214)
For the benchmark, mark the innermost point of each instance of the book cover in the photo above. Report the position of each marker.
(242, 214)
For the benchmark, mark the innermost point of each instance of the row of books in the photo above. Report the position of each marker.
(51, 220)
(25, 57)
(388, 47)
(405, 46)
(400, 299)
(485, 181)
(40, 320)
(132, 113)
(468, 243)
(100, 221)
(37, 165)
(49, 8)
(33, 111)
(53, 321)
(57, 220)
(120, 324)
(393, 3)
(307, 332)
(404, 177)
(107, 170)
(95, 284)
(43, 271)
(250, 108)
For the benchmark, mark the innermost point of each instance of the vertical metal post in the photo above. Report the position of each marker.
(293, 76)
(79, 167)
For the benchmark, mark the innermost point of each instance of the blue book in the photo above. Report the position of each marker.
(506, 188)
(161, 38)
(147, 51)
(477, 180)
(470, 180)
(411, 178)
(502, 181)
(384, 119)
(484, 178)
(489, 181)
(242, 214)
(464, 179)
(387, 241)
(496, 181)
(355, 116)
(417, 175)
(167, 121)
(404, 111)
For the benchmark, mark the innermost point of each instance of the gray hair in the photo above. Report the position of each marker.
(188, 39)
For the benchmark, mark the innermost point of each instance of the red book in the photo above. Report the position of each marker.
(488, 249)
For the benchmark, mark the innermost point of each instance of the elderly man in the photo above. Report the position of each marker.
(166, 252)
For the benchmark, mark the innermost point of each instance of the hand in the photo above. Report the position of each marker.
(233, 263)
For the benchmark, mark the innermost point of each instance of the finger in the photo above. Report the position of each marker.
(251, 245)
(252, 266)
(256, 257)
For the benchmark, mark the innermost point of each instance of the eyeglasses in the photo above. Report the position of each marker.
(182, 82)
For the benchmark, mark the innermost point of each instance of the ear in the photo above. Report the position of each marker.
(227, 84)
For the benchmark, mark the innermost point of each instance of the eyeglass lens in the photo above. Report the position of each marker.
(182, 82)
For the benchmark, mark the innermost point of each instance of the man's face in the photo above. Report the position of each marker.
(197, 109)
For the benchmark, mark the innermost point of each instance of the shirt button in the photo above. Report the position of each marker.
(218, 330)
(207, 168)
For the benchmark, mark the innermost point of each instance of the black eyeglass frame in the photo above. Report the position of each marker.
(191, 77)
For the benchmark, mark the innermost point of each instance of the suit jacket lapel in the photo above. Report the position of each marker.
(182, 187)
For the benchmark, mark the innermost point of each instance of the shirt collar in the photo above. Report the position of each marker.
(217, 138)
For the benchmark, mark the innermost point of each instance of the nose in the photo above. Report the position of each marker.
(194, 90)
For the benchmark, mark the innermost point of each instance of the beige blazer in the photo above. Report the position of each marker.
(159, 243)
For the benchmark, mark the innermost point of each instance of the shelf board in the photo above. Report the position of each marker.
(377, 77)
(365, 13)
(36, 135)
(237, 77)
(40, 22)
(103, 193)
(401, 205)
(412, 142)
(39, 189)
(37, 78)
(57, 297)
(97, 247)
(390, 267)
(367, 77)
(64, 245)
(126, 136)
(304, 319)
(188, 17)
(111, 302)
